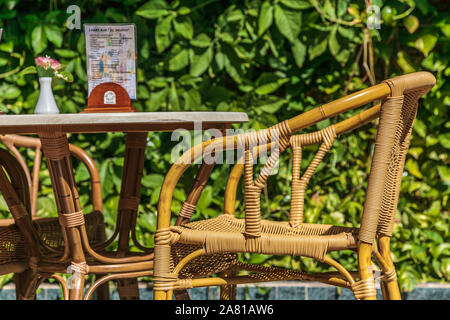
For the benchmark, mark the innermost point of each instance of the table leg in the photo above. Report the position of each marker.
(129, 203)
(56, 150)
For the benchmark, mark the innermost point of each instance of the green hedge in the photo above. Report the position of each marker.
(273, 60)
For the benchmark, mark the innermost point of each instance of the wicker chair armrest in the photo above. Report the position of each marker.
(11, 141)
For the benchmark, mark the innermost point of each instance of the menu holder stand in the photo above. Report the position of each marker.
(109, 97)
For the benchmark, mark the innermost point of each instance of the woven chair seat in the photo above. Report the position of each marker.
(226, 231)
(12, 243)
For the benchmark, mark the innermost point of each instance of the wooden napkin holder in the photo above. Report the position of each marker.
(109, 97)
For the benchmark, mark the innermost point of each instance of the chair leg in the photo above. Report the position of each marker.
(25, 285)
(389, 283)
(160, 295)
(76, 286)
(128, 289)
(365, 288)
(181, 295)
(227, 291)
(102, 291)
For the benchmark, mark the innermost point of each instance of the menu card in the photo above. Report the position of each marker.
(111, 55)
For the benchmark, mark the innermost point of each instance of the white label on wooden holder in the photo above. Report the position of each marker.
(109, 97)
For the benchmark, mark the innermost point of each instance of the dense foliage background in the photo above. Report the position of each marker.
(272, 59)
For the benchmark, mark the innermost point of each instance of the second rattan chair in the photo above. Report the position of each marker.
(22, 243)
(188, 253)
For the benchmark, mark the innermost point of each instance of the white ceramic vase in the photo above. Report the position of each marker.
(46, 103)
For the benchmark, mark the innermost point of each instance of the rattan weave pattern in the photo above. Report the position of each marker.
(214, 263)
(12, 244)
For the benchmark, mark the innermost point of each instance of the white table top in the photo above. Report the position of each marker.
(119, 121)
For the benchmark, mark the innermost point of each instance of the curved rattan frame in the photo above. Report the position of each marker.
(56, 261)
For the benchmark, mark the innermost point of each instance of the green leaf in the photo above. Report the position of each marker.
(268, 83)
(54, 34)
(333, 43)
(265, 17)
(201, 41)
(296, 4)
(7, 46)
(413, 168)
(404, 62)
(81, 44)
(66, 53)
(235, 15)
(174, 103)
(299, 52)
(80, 70)
(38, 39)
(411, 23)
(440, 249)
(67, 76)
(199, 63)
(232, 64)
(163, 33)
(184, 11)
(156, 100)
(341, 7)
(288, 22)
(178, 58)
(183, 25)
(426, 43)
(329, 9)
(192, 99)
(9, 92)
(3, 62)
(205, 198)
(318, 46)
(444, 172)
(152, 180)
(420, 128)
(270, 104)
(29, 70)
(153, 9)
(444, 140)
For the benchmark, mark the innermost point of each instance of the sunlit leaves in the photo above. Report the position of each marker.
(268, 83)
(53, 34)
(318, 46)
(178, 58)
(183, 25)
(425, 43)
(265, 17)
(299, 52)
(268, 104)
(288, 22)
(411, 23)
(38, 39)
(153, 9)
(9, 91)
(66, 53)
(164, 33)
(200, 61)
(201, 41)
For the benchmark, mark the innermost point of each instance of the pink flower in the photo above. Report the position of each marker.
(42, 62)
(55, 64)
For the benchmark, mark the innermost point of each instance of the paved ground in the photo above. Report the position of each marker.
(271, 291)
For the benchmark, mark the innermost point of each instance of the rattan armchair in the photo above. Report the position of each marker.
(25, 238)
(188, 253)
